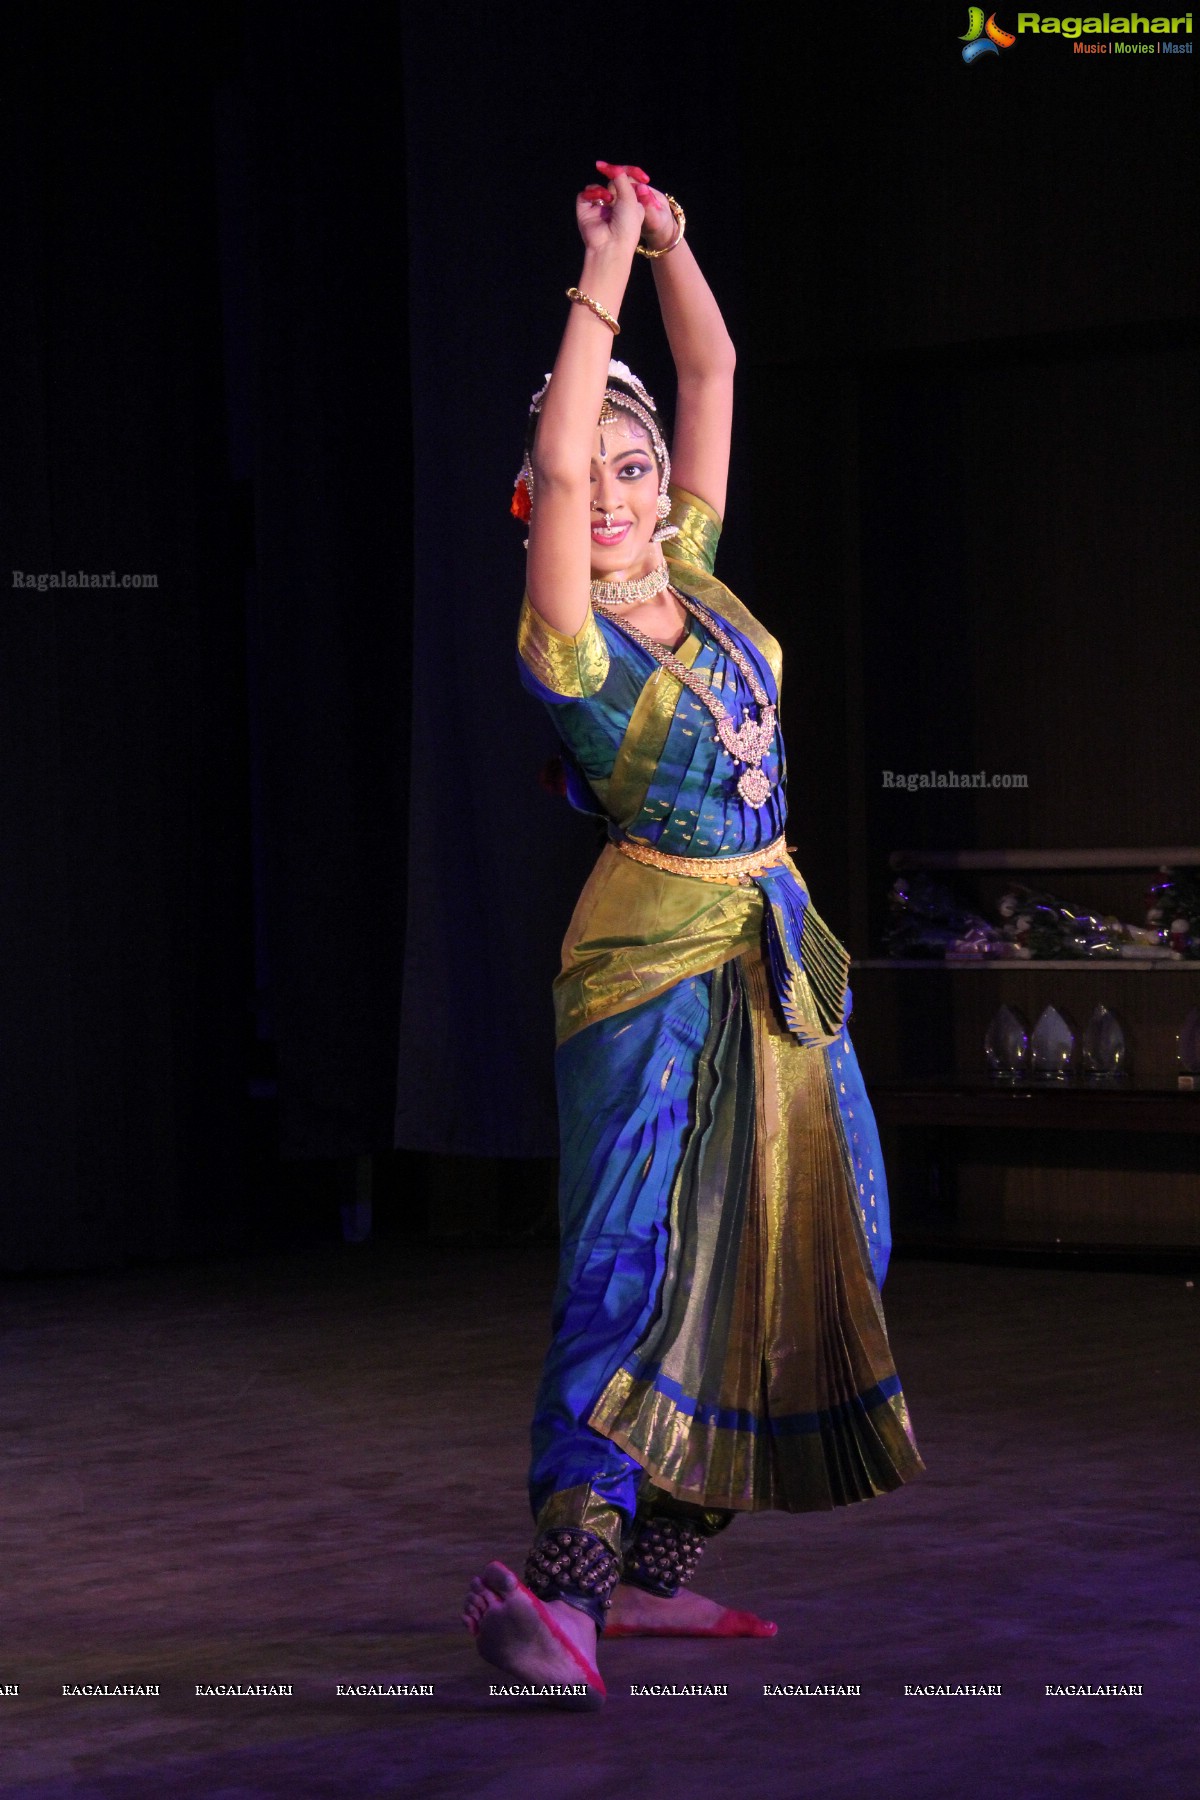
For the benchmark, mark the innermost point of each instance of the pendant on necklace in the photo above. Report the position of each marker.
(754, 787)
(752, 738)
(749, 743)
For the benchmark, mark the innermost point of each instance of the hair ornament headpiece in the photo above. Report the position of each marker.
(631, 397)
(619, 371)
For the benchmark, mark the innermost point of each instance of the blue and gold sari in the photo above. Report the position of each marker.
(717, 1334)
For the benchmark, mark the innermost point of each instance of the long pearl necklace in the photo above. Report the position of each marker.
(747, 743)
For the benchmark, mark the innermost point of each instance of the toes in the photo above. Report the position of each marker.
(477, 1604)
(500, 1580)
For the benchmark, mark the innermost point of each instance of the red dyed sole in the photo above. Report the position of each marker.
(591, 1676)
(731, 1624)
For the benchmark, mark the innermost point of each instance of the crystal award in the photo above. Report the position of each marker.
(1006, 1047)
(1052, 1047)
(1104, 1053)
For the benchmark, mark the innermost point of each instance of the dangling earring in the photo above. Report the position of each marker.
(663, 508)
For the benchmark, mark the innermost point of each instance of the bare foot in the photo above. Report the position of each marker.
(635, 1613)
(542, 1643)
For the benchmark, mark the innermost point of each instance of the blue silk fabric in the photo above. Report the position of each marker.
(692, 807)
(717, 1331)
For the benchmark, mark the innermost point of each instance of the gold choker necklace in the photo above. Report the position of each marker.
(630, 593)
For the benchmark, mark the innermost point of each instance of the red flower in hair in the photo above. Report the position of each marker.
(520, 507)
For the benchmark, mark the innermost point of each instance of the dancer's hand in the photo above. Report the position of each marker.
(658, 229)
(658, 226)
(612, 217)
(659, 222)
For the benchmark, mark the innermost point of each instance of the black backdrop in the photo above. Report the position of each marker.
(281, 279)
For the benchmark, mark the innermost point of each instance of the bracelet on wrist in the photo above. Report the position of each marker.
(680, 226)
(579, 298)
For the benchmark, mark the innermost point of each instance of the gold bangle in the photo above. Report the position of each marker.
(601, 312)
(680, 226)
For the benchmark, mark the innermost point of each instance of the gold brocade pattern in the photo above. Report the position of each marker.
(645, 736)
(575, 667)
(638, 928)
(698, 529)
(800, 1422)
(582, 1507)
(636, 931)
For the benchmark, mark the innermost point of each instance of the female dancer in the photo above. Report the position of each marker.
(719, 1344)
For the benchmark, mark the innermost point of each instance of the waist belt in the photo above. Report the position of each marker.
(733, 871)
(808, 966)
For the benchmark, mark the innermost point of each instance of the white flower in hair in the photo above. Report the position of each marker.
(536, 402)
(624, 373)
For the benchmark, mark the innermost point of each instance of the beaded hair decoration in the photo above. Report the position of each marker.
(630, 397)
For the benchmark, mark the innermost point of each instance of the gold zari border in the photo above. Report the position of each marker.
(647, 732)
(583, 1507)
(697, 530)
(637, 931)
(573, 667)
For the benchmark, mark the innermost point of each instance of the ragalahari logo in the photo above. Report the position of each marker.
(983, 39)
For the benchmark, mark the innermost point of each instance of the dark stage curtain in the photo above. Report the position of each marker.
(124, 794)
(314, 159)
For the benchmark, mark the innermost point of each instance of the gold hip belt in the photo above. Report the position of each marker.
(733, 871)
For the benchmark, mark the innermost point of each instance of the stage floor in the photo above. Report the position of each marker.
(283, 1472)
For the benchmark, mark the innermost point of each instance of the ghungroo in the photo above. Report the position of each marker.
(574, 1565)
(663, 1555)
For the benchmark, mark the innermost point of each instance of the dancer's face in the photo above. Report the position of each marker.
(625, 492)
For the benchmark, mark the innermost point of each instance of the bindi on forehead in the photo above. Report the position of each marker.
(621, 425)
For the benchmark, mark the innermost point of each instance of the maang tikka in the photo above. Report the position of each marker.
(641, 405)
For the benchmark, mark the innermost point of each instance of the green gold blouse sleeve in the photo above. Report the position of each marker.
(699, 529)
(574, 668)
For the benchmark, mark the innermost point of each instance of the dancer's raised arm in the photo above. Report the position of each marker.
(559, 565)
(704, 358)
